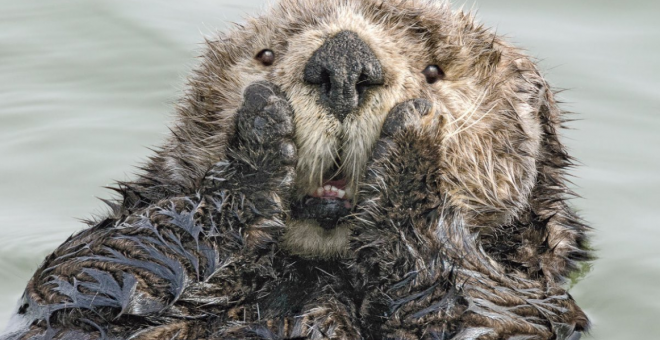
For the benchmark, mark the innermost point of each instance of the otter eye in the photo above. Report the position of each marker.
(433, 73)
(266, 57)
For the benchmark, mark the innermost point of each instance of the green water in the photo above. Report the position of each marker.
(86, 86)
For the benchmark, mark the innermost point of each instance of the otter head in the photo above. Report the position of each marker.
(343, 65)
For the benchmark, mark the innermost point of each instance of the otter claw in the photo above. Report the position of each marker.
(404, 115)
(288, 153)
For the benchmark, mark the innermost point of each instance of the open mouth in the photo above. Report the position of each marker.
(327, 204)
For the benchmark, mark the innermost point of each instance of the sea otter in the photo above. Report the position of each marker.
(339, 169)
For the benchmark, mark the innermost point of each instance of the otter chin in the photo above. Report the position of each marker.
(315, 229)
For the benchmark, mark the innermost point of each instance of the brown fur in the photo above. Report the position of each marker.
(466, 206)
(501, 112)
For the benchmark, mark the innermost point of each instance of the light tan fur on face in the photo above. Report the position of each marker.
(307, 239)
(490, 100)
(320, 136)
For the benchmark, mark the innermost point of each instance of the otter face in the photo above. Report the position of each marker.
(344, 64)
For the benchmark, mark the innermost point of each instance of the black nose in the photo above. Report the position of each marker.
(344, 67)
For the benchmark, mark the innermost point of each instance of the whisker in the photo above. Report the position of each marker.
(474, 123)
(473, 111)
(336, 155)
(473, 108)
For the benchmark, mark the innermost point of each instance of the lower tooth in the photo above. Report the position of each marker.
(349, 193)
(341, 193)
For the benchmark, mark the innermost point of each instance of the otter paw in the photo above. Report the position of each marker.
(260, 166)
(402, 175)
(265, 115)
(265, 120)
(404, 123)
(405, 115)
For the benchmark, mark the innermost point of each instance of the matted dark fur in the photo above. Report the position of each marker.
(458, 226)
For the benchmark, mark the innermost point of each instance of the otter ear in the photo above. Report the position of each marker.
(561, 236)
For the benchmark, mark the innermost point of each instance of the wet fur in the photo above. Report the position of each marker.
(461, 229)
